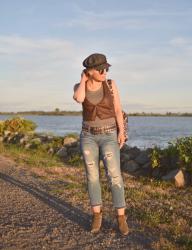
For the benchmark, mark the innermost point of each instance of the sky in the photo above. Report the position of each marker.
(148, 43)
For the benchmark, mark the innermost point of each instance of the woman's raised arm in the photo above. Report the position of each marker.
(79, 89)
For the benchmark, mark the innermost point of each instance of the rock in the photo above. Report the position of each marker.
(180, 179)
(143, 172)
(31, 146)
(24, 140)
(68, 141)
(51, 151)
(73, 150)
(16, 138)
(156, 173)
(170, 175)
(125, 148)
(176, 175)
(62, 152)
(7, 133)
(36, 141)
(188, 178)
(7, 139)
(124, 157)
(133, 152)
(143, 157)
(147, 165)
(45, 138)
(130, 166)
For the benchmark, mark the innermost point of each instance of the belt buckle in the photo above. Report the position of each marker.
(97, 130)
(91, 130)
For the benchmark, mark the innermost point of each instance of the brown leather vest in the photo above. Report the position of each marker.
(104, 109)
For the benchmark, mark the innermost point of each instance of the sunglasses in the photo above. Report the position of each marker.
(101, 71)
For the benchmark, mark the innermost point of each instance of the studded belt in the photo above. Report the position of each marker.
(98, 130)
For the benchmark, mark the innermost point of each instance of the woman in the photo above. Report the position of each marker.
(99, 139)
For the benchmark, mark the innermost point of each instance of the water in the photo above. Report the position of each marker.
(144, 131)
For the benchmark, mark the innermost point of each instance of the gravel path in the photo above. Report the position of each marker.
(31, 218)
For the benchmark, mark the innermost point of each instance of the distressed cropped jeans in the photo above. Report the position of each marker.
(105, 145)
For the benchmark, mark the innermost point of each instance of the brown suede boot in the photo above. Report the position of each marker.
(122, 224)
(96, 222)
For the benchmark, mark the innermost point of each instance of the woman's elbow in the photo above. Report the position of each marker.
(79, 100)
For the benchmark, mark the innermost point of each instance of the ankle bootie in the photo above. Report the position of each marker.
(122, 224)
(96, 222)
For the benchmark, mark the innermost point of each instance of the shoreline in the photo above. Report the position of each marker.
(79, 113)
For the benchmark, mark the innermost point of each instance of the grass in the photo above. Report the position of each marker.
(31, 157)
(185, 241)
(164, 208)
(75, 160)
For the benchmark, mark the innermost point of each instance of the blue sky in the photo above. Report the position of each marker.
(148, 43)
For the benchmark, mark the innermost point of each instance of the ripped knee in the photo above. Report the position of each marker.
(116, 181)
(108, 156)
(86, 152)
(90, 164)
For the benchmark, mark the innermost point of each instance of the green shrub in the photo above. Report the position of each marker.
(17, 124)
(177, 155)
(184, 148)
(75, 160)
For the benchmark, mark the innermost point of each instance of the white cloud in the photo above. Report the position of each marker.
(98, 21)
(41, 73)
(126, 19)
(22, 45)
(182, 43)
(37, 61)
(179, 41)
(153, 68)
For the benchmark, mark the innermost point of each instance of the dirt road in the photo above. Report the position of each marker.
(32, 218)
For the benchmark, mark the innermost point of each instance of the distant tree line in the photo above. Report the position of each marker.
(57, 111)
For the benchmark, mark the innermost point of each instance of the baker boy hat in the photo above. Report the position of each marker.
(96, 61)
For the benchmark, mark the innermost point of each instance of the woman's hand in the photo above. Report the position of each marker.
(84, 76)
(121, 139)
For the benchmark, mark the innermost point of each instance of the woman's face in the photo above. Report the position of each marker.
(98, 75)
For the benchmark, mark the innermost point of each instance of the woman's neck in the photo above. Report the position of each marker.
(93, 85)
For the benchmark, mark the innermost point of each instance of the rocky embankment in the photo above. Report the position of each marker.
(134, 161)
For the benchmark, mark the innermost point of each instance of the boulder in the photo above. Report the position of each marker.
(143, 172)
(156, 173)
(16, 138)
(51, 151)
(62, 152)
(35, 141)
(125, 148)
(188, 178)
(147, 165)
(176, 175)
(31, 146)
(124, 157)
(7, 133)
(24, 140)
(69, 141)
(133, 152)
(143, 157)
(73, 150)
(45, 138)
(8, 138)
(130, 166)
